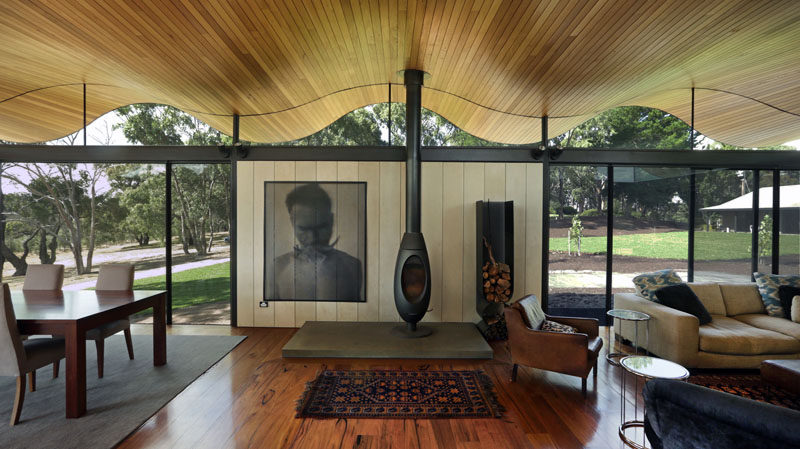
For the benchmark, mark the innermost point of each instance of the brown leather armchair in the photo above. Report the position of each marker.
(572, 354)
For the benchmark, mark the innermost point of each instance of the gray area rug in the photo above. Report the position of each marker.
(129, 393)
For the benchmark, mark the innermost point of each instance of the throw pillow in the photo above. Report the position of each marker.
(533, 310)
(796, 309)
(785, 294)
(647, 283)
(552, 326)
(768, 285)
(682, 297)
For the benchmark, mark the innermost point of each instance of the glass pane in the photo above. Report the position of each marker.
(790, 223)
(723, 239)
(412, 278)
(83, 216)
(651, 223)
(200, 244)
(765, 215)
(578, 227)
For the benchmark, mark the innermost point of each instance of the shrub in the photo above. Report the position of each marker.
(590, 213)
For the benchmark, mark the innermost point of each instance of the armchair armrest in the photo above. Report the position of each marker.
(588, 326)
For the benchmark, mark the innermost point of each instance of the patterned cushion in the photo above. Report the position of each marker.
(796, 309)
(647, 283)
(768, 285)
(552, 326)
(533, 311)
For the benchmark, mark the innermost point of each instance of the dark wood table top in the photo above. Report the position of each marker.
(72, 305)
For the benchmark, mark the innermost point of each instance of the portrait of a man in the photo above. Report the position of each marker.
(314, 241)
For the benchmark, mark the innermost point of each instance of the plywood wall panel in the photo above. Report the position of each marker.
(432, 232)
(262, 171)
(452, 240)
(389, 236)
(369, 172)
(533, 230)
(450, 191)
(245, 289)
(516, 191)
(473, 191)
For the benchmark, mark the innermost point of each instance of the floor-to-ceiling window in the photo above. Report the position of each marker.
(651, 223)
(578, 228)
(723, 226)
(82, 216)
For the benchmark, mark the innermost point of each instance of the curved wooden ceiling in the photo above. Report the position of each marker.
(291, 67)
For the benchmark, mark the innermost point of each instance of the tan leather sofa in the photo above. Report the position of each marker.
(740, 335)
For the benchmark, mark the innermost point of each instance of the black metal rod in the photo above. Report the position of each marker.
(610, 239)
(168, 237)
(776, 221)
(691, 131)
(413, 82)
(232, 231)
(390, 114)
(754, 235)
(84, 114)
(545, 218)
(692, 218)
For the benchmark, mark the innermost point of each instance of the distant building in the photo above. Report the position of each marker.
(737, 214)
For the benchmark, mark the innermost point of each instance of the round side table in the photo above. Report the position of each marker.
(634, 317)
(645, 368)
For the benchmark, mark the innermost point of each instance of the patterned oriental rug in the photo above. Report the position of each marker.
(749, 386)
(400, 394)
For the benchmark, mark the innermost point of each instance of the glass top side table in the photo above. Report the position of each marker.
(645, 368)
(635, 318)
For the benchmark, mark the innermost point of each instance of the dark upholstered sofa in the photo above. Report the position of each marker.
(680, 415)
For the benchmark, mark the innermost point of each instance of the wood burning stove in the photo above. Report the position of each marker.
(412, 287)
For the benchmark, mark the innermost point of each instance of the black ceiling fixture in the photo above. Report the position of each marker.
(412, 279)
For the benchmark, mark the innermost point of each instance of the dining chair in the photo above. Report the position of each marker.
(116, 277)
(44, 277)
(18, 357)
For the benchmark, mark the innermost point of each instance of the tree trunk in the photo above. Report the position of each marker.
(92, 228)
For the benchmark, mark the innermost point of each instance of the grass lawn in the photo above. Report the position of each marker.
(195, 286)
(674, 245)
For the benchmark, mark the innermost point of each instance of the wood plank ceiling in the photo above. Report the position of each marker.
(291, 67)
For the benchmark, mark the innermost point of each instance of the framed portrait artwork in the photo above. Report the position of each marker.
(315, 236)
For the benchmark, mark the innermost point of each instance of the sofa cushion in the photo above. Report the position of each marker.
(771, 323)
(647, 283)
(741, 298)
(725, 335)
(796, 309)
(786, 293)
(711, 297)
(768, 285)
(681, 297)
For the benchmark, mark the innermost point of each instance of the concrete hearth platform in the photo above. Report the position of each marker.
(376, 340)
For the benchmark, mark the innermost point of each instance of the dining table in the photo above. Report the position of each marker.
(71, 313)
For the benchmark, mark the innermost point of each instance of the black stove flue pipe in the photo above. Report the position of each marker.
(412, 289)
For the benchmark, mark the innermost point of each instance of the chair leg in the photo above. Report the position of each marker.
(583, 385)
(19, 398)
(514, 373)
(56, 365)
(32, 381)
(129, 342)
(595, 373)
(100, 345)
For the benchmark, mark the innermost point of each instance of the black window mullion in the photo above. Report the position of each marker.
(776, 220)
(609, 236)
(754, 234)
(692, 218)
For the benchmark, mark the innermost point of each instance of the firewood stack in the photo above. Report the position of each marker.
(496, 278)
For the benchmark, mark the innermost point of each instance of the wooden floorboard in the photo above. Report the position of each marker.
(247, 400)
